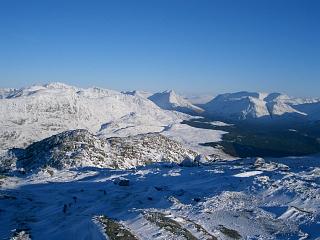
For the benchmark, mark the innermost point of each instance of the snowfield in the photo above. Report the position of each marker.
(166, 201)
(192, 137)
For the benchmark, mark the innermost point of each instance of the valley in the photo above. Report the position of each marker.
(264, 139)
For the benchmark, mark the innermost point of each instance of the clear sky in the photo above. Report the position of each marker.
(188, 45)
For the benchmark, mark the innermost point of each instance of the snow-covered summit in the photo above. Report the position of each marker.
(80, 148)
(33, 113)
(139, 93)
(57, 85)
(171, 101)
(6, 92)
(254, 105)
(34, 89)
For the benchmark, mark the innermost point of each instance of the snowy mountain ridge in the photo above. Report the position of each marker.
(254, 105)
(34, 113)
(169, 100)
(139, 93)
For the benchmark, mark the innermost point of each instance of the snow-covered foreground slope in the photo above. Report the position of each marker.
(169, 100)
(245, 199)
(36, 112)
(251, 105)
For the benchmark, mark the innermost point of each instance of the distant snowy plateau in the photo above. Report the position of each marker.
(100, 164)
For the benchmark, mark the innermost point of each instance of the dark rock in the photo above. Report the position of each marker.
(180, 192)
(197, 199)
(122, 182)
(188, 162)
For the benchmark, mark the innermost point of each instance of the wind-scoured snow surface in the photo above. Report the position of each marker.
(34, 113)
(252, 105)
(272, 199)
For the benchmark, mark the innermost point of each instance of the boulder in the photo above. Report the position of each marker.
(188, 162)
(122, 182)
(259, 162)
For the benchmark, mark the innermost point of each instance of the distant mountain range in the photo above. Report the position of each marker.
(262, 106)
(241, 106)
(33, 113)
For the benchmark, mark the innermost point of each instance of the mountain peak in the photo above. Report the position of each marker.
(58, 85)
(169, 100)
(169, 91)
(254, 105)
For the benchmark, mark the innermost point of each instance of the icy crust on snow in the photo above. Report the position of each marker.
(168, 201)
(38, 112)
(79, 148)
(252, 105)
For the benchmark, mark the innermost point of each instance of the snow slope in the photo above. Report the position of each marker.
(37, 112)
(79, 148)
(252, 105)
(169, 100)
(224, 201)
(192, 137)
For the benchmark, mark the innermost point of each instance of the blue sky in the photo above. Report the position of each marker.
(192, 46)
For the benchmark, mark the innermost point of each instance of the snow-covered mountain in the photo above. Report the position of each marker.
(80, 148)
(138, 93)
(34, 113)
(7, 92)
(253, 105)
(81, 170)
(169, 100)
